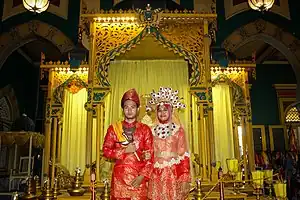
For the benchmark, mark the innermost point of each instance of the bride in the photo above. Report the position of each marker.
(171, 178)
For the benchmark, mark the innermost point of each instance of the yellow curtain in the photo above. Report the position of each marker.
(73, 147)
(144, 76)
(224, 146)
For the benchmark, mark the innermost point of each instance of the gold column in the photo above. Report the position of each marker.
(250, 143)
(206, 132)
(211, 138)
(54, 134)
(211, 132)
(99, 139)
(58, 152)
(207, 145)
(236, 138)
(48, 124)
(203, 150)
(245, 149)
(206, 56)
(89, 133)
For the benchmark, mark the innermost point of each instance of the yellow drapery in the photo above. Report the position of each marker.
(73, 143)
(144, 76)
(223, 131)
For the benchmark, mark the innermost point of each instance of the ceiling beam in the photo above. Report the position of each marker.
(25, 55)
(267, 52)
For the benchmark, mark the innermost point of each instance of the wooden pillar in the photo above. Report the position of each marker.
(207, 144)
(59, 132)
(211, 137)
(48, 120)
(236, 137)
(100, 109)
(89, 133)
(54, 134)
(206, 56)
(250, 143)
(203, 149)
(245, 149)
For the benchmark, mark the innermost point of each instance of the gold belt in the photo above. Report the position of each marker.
(164, 154)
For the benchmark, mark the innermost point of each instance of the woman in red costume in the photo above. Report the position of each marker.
(170, 179)
(127, 142)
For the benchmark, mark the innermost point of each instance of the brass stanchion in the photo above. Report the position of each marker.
(105, 195)
(221, 184)
(38, 190)
(30, 190)
(198, 193)
(56, 191)
(15, 196)
(47, 192)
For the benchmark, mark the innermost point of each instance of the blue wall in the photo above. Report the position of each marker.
(24, 79)
(265, 108)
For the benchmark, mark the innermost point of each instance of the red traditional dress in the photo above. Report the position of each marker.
(171, 166)
(127, 166)
(171, 174)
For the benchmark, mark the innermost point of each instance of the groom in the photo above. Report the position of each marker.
(126, 142)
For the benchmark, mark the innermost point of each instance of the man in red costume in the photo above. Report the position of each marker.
(127, 142)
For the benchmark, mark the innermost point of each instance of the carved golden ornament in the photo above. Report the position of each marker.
(235, 74)
(165, 13)
(292, 116)
(191, 40)
(109, 36)
(61, 75)
(117, 19)
(261, 5)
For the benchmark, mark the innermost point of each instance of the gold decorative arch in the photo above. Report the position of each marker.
(113, 39)
(197, 66)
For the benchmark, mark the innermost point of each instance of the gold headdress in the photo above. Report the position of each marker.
(165, 95)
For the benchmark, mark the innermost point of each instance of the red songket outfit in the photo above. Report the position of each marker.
(171, 163)
(127, 166)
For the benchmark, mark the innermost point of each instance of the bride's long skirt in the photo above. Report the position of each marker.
(164, 184)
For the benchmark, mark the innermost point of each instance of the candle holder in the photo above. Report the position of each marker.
(76, 189)
(257, 191)
(268, 175)
(280, 191)
(258, 182)
(239, 182)
(233, 169)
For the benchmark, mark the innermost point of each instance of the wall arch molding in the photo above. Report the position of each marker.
(31, 31)
(271, 34)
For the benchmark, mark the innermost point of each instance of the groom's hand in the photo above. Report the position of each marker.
(130, 148)
(137, 181)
